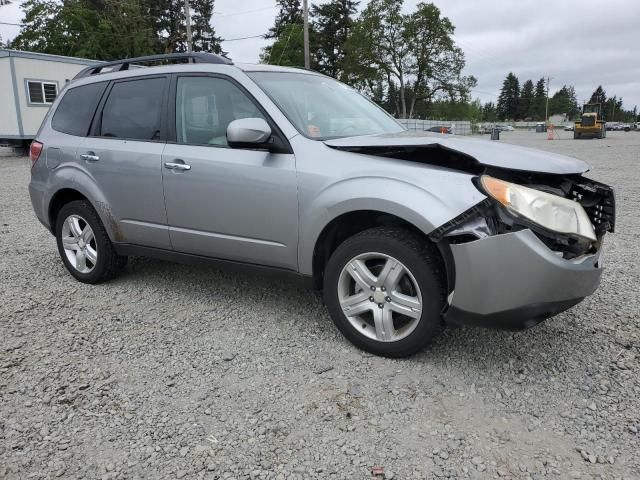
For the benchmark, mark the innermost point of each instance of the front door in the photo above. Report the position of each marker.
(124, 156)
(234, 204)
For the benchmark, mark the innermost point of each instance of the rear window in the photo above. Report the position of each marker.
(133, 110)
(75, 111)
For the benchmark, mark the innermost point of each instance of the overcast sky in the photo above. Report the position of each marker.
(578, 42)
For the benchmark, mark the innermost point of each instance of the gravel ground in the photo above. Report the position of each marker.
(174, 371)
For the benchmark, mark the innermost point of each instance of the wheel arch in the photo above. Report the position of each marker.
(350, 223)
(70, 193)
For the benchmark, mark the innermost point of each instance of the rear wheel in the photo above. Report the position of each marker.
(384, 289)
(84, 245)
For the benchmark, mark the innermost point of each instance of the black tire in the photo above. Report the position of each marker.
(425, 264)
(109, 264)
(576, 135)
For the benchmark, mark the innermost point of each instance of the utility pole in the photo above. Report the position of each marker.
(187, 14)
(307, 63)
(546, 108)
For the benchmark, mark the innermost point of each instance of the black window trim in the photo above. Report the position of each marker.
(65, 92)
(96, 124)
(171, 114)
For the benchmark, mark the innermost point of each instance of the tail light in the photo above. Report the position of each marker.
(34, 152)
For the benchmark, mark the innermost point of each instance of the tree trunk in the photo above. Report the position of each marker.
(413, 106)
(403, 100)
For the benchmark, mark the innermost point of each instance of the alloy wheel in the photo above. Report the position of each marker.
(79, 243)
(380, 297)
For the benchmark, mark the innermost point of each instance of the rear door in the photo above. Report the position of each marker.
(124, 154)
(231, 203)
(70, 123)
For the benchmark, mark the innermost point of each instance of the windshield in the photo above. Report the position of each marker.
(322, 108)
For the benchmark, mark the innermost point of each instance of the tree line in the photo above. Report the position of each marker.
(406, 62)
(529, 102)
(113, 29)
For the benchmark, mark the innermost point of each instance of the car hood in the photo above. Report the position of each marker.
(483, 152)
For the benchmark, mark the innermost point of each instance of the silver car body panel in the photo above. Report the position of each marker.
(492, 154)
(235, 204)
(129, 176)
(332, 182)
(270, 209)
(503, 272)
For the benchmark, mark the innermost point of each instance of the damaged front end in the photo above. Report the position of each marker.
(490, 217)
(510, 272)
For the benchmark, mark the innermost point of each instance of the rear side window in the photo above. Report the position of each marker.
(76, 109)
(133, 110)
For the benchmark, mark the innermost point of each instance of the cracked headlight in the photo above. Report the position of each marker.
(544, 209)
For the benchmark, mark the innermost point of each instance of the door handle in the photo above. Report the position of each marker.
(177, 166)
(90, 157)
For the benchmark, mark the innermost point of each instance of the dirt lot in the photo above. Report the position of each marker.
(183, 372)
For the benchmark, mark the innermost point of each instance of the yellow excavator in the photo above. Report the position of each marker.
(591, 124)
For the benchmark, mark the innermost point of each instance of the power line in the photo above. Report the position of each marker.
(242, 38)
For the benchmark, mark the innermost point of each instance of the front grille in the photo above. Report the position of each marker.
(588, 121)
(599, 202)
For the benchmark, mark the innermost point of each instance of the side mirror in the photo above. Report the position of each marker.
(248, 133)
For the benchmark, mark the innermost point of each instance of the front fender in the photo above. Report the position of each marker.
(425, 208)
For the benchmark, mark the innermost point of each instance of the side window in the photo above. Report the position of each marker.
(133, 110)
(76, 109)
(204, 108)
(42, 93)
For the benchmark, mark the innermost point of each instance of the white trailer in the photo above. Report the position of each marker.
(29, 83)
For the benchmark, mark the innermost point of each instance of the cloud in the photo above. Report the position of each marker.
(583, 43)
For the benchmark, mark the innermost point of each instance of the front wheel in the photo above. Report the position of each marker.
(385, 289)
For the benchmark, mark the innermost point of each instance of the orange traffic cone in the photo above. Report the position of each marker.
(550, 132)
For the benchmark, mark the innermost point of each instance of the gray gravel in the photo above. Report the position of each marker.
(183, 372)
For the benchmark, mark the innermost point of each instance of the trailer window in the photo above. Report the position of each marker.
(43, 93)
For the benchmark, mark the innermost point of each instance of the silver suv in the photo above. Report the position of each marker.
(203, 160)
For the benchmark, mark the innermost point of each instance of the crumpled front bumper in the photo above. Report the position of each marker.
(514, 281)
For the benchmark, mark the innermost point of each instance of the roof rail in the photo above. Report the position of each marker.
(120, 65)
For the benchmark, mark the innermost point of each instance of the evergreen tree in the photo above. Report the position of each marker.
(288, 34)
(332, 24)
(540, 99)
(100, 29)
(204, 36)
(290, 13)
(287, 50)
(489, 112)
(113, 29)
(509, 99)
(527, 100)
(599, 96)
(564, 102)
(612, 109)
